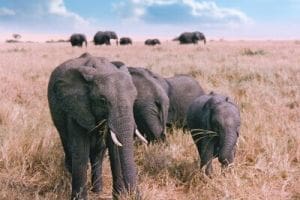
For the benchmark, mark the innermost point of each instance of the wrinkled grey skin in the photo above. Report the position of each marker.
(216, 113)
(125, 41)
(182, 91)
(152, 42)
(83, 92)
(191, 37)
(151, 105)
(77, 39)
(103, 37)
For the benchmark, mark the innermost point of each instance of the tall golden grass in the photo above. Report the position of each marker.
(262, 77)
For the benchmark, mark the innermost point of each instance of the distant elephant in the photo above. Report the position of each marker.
(84, 93)
(104, 37)
(151, 105)
(77, 39)
(125, 41)
(214, 121)
(191, 37)
(152, 42)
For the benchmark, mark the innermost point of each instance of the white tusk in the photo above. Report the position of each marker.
(140, 136)
(115, 139)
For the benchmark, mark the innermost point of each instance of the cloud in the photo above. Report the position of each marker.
(205, 13)
(57, 7)
(6, 12)
(41, 16)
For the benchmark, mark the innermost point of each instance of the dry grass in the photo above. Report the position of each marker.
(266, 85)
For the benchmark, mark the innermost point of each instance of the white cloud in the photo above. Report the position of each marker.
(57, 7)
(6, 12)
(207, 11)
(211, 9)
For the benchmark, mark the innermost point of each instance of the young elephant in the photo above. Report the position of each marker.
(214, 121)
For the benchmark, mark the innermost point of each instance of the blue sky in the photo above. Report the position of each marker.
(273, 19)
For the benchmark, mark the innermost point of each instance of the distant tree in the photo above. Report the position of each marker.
(16, 36)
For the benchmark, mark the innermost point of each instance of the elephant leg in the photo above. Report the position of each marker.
(97, 153)
(63, 134)
(80, 157)
(207, 155)
(115, 165)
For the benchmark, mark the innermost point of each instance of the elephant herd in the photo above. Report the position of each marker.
(104, 37)
(98, 104)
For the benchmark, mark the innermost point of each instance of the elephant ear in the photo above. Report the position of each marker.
(207, 113)
(72, 93)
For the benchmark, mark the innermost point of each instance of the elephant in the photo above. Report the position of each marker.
(214, 121)
(104, 37)
(77, 39)
(151, 105)
(152, 42)
(125, 41)
(182, 90)
(191, 37)
(91, 105)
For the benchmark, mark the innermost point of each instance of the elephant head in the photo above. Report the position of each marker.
(88, 90)
(112, 35)
(222, 116)
(224, 119)
(199, 36)
(151, 106)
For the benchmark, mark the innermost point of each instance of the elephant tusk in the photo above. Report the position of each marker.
(140, 136)
(115, 139)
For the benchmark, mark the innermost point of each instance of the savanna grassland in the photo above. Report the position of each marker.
(262, 77)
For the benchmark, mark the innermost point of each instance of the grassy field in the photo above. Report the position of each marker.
(262, 77)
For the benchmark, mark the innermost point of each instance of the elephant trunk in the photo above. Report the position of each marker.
(227, 141)
(85, 42)
(204, 40)
(117, 42)
(123, 125)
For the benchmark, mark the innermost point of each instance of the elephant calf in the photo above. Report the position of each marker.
(214, 121)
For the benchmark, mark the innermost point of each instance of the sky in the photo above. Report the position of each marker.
(227, 19)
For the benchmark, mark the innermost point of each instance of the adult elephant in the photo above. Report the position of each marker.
(83, 93)
(214, 121)
(152, 42)
(103, 37)
(151, 105)
(77, 39)
(125, 41)
(191, 37)
(181, 90)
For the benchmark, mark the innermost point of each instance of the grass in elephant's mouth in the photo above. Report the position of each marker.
(267, 164)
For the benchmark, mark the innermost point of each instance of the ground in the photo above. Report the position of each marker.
(263, 77)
